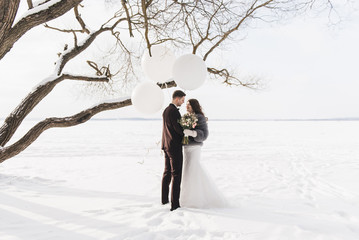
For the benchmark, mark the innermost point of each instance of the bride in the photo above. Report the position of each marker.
(197, 188)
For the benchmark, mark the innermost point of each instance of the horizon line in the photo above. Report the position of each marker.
(218, 119)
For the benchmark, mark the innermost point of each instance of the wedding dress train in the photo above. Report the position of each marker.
(198, 189)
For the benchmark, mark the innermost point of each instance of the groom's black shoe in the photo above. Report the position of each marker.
(174, 208)
(164, 203)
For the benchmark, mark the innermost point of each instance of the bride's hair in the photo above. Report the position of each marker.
(196, 106)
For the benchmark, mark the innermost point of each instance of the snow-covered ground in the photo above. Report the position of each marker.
(101, 180)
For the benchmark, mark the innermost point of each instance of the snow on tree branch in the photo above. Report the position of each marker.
(35, 16)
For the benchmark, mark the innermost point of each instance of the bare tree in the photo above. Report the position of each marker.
(204, 26)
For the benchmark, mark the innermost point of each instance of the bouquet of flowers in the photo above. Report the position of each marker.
(188, 121)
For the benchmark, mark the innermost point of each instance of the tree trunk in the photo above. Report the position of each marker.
(8, 10)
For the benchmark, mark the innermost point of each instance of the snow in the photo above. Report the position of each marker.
(38, 7)
(101, 180)
(70, 49)
(46, 80)
(115, 100)
(54, 76)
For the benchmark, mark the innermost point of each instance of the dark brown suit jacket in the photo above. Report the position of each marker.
(172, 132)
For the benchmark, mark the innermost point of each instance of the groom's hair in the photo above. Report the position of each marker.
(178, 93)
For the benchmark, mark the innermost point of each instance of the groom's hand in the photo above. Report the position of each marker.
(191, 133)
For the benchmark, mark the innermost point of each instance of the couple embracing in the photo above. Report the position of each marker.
(191, 186)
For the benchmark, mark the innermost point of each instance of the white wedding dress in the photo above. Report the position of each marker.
(197, 188)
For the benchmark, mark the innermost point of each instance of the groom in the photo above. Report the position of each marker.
(172, 134)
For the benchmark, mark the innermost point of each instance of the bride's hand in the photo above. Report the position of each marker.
(191, 133)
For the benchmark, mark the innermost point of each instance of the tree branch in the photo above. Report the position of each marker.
(35, 132)
(71, 53)
(13, 121)
(210, 20)
(83, 116)
(62, 30)
(229, 79)
(29, 3)
(167, 84)
(128, 17)
(144, 11)
(79, 19)
(249, 13)
(34, 18)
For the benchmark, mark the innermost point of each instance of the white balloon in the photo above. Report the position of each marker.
(147, 97)
(189, 71)
(158, 67)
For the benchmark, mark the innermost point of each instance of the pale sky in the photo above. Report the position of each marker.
(311, 71)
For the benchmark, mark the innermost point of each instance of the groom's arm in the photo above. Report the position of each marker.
(175, 116)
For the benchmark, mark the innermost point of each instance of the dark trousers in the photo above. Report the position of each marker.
(172, 172)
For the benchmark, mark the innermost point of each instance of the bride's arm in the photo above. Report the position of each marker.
(201, 129)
